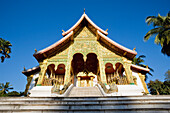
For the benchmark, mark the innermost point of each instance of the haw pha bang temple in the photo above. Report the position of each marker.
(85, 62)
(86, 72)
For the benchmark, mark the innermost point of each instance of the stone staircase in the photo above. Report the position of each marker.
(85, 92)
(117, 104)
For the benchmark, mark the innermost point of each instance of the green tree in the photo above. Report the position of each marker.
(139, 61)
(161, 29)
(167, 76)
(4, 88)
(155, 87)
(5, 49)
(159, 88)
(15, 94)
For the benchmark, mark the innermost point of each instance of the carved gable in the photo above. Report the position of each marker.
(85, 34)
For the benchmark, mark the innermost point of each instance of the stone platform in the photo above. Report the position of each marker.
(116, 104)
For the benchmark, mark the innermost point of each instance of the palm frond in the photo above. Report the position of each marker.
(168, 14)
(150, 19)
(142, 56)
(154, 31)
(157, 39)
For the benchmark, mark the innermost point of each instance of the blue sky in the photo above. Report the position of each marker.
(30, 24)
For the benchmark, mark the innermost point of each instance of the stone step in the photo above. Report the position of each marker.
(135, 104)
(114, 98)
(85, 92)
(92, 111)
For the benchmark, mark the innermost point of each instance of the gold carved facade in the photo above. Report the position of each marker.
(85, 42)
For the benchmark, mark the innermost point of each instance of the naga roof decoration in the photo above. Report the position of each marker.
(101, 35)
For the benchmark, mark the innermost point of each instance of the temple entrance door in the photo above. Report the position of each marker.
(77, 66)
(85, 73)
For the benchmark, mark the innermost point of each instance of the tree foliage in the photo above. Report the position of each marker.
(167, 76)
(139, 61)
(4, 88)
(161, 29)
(159, 88)
(5, 49)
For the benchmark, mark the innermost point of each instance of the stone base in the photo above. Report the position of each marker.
(116, 104)
(130, 90)
(41, 91)
(124, 90)
(45, 91)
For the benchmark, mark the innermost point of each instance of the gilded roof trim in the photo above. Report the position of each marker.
(80, 20)
(116, 44)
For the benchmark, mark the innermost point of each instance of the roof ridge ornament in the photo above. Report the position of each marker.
(63, 31)
(84, 10)
(24, 68)
(35, 50)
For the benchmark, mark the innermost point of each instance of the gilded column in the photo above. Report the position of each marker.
(43, 67)
(102, 71)
(91, 81)
(128, 73)
(79, 82)
(68, 67)
(142, 78)
(101, 66)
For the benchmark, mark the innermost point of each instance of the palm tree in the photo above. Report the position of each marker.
(5, 49)
(161, 29)
(138, 61)
(5, 88)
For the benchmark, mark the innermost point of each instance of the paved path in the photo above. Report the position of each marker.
(85, 92)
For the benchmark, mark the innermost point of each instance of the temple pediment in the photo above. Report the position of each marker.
(85, 29)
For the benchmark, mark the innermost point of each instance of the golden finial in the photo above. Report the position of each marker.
(84, 10)
(35, 50)
(106, 30)
(147, 66)
(24, 68)
(63, 31)
(134, 48)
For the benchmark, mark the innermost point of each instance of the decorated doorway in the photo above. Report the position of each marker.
(84, 71)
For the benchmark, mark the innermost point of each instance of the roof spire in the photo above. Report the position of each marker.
(84, 10)
(35, 50)
(24, 68)
(63, 31)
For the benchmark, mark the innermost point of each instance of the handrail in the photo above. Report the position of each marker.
(56, 88)
(113, 87)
